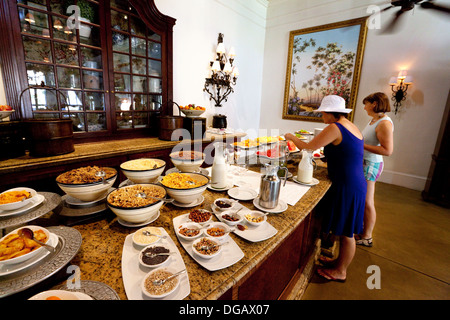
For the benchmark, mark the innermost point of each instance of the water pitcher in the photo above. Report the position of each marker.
(305, 167)
(219, 167)
(269, 191)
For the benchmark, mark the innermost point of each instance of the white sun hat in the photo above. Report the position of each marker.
(333, 103)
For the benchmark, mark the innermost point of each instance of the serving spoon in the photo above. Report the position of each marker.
(101, 174)
(29, 234)
(148, 233)
(152, 255)
(159, 282)
(143, 195)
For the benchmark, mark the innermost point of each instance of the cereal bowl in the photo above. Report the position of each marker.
(140, 239)
(143, 170)
(30, 248)
(187, 161)
(16, 198)
(189, 231)
(231, 218)
(200, 216)
(255, 218)
(223, 204)
(185, 188)
(156, 292)
(206, 247)
(157, 261)
(217, 230)
(86, 183)
(135, 203)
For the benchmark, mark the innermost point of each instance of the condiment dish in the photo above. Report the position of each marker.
(153, 262)
(231, 218)
(217, 230)
(157, 292)
(183, 231)
(255, 218)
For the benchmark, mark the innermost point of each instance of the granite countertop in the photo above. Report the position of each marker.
(101, 251)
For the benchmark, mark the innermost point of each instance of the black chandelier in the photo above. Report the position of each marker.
(223, 74)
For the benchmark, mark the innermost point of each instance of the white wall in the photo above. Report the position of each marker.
(421, 45)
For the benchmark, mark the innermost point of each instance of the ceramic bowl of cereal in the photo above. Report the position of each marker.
(255, 218)
(200, 216)
(136, 203)
(231, 218)
(187, 161)
(223, 204)
(16, 198)
(206, 247)
(189, 231)
(217, 230)
(143, 170)
(154, 291)
(154, 256)
(14, 249)
(147, 236)
(185, 188)
(87, 183)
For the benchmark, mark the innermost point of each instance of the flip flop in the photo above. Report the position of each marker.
(325, 275)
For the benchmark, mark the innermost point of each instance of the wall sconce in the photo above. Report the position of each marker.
(399, 86)
(223, 74)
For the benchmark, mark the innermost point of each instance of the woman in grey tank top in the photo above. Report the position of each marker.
(378, 142)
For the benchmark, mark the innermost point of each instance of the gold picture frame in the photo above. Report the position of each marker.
(323, 60)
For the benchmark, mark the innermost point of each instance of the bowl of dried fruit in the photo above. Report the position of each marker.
(206, 247)
(189, 230)
(232, 218)
(217, 230)
(223, 204)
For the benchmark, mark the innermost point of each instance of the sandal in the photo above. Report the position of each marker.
(364, 242)
(327, 276)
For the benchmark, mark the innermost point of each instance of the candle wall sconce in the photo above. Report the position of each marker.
(399, 86)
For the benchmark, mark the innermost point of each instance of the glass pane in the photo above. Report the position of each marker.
(124, 120)
(139, 65)
(155, 85)
(138, 46)
(73, 100)
(139, 84)
(43, 100)
(137, 27)
(37, 49)
(121, 62)
(154, 50)
(57, 6)
(154, 36)
(120, 42)
(88, 11)
(68, 77)
(90, 35)
(119, 21)
(94, 101)
(120, 4)
(33, 3)
(46, 115)
(66, 54)
(140, 102)
(140, 119)
(122, 102)
(39, 73)
(96, 121)
(154, 68)
(122, 82)
(93, 80)
(91, 58)
(78, 121)
(34, 22)
(155, 102)
(61, 31)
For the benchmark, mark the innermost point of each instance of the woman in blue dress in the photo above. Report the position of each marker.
(345, 200)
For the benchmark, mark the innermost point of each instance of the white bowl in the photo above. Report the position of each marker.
(233, 214)
(203, 255)
(231, 202)
(136, 171)
(61, 294)
(29, 255)
(188, 195)
(192, 218)
(257, 214)
(219, 225)
(88, 191)
(141, 240)
(158, 296)
(18, 204)
(189, 225)
(187, 165)
(192, 113)
(141, 255)
(5, 114)
(136, 214)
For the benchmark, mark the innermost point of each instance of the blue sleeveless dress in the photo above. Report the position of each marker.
(345, 200)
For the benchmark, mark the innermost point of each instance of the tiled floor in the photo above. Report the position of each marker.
(411, 249)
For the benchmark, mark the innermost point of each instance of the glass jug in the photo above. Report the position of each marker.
(269, 190)
(305, 167)
(219, 167)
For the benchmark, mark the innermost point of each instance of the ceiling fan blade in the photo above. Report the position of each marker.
(429, 5)
(392, 26)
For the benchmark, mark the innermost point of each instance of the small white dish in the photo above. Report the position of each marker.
(219, 225)
(281, 207)
(141, 256)
(313, 182)
(225, 201)
(208, 241)
(140, 239)
(251, 217)
(165, 294)
(18, 204)
(189, 225)
(227, 187)
(242, 193)
(224, 216)
(192, 218)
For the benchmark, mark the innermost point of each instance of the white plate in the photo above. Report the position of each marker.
(77, 202)
(242, 193)
(252, 233)
(313, 183)
(135, 225)
(189, 205)
(227, 187)
(229, 255)
(133, 272)
(11, 268)
(281, 207)
(37, 200)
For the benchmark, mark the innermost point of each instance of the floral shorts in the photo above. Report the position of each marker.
(372, 170)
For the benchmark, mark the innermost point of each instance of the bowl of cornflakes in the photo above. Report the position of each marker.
(143, 170)
(185, 188)
(16, 198)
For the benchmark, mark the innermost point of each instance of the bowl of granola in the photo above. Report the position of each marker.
(87, 183)
(136, 203)
(143, 170)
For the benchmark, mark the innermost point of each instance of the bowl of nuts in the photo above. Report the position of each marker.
(223, 204)
(231, 218)
(255, 218)
(200, 216)
(206, 247)
(189, 230)
(217, 230)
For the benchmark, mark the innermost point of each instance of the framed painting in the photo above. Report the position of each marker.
(323, 60)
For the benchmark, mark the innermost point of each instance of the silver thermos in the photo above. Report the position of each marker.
(269, 190)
